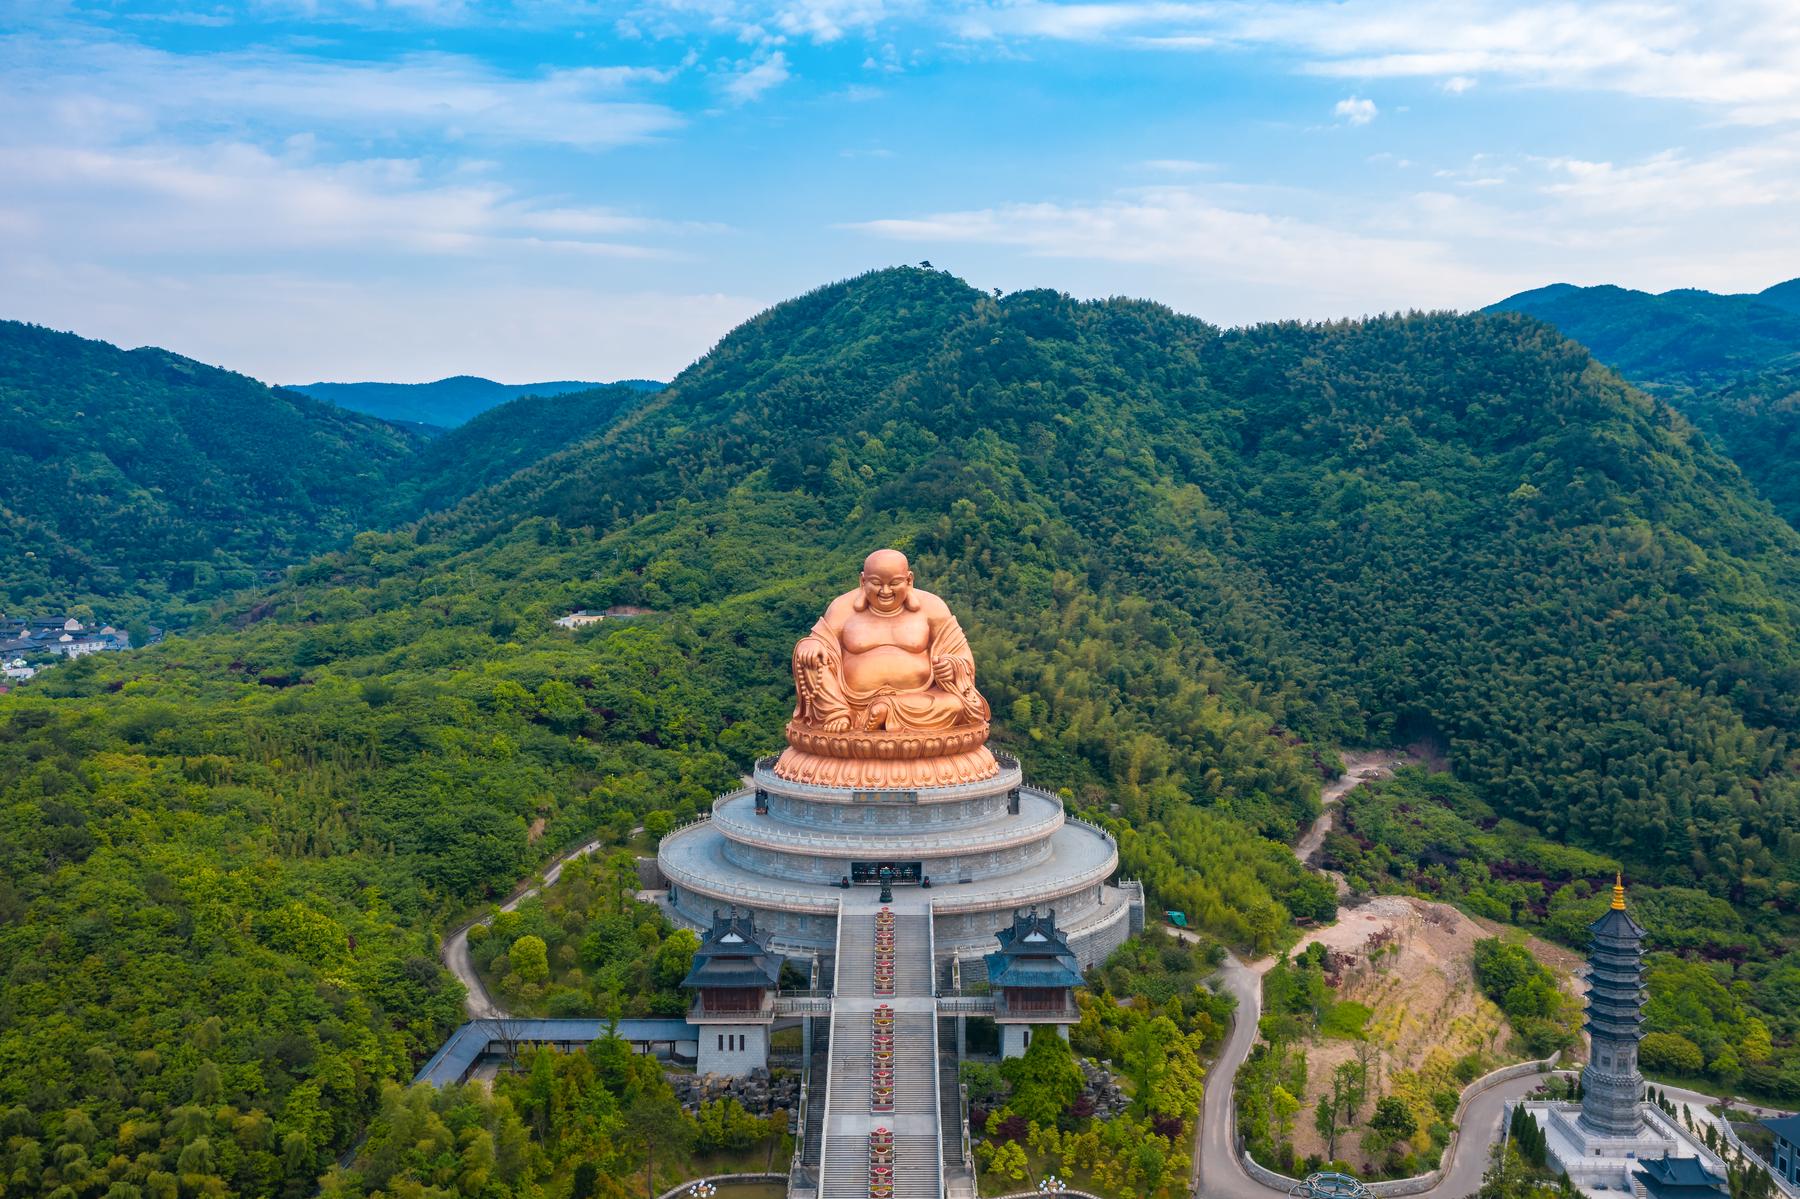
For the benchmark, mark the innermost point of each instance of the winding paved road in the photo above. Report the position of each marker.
(455, 953)
(1218, 1172)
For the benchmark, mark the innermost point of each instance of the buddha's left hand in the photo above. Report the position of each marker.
(943, 670)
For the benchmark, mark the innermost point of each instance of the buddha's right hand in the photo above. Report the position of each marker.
(810, 654)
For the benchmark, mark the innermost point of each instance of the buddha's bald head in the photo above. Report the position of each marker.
(887, 581)
(886, 562)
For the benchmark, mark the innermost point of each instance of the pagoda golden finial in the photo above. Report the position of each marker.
(1618, 902)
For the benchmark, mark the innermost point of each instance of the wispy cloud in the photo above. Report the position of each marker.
(1188, 231)
(1676, 181)
(1742, 58)
(754, 80)
(115, 87)
(230, 196)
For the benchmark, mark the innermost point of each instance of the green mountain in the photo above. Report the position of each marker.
(145, 485)
(446, 403)
(140, 481)
(499, 442)
(1188, 560)
(1729, 363)
(1686, 336)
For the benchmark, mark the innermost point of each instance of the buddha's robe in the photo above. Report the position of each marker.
(824, 692)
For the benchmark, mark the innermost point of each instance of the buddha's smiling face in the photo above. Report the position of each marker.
(886, 581)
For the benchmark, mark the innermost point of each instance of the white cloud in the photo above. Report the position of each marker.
(1742, 58)
(1355, 109)
(109, 89)
(829, 20)
(232, 197)
(1676, 182)
(1456, 85)
(1185, 235)
(754, 81)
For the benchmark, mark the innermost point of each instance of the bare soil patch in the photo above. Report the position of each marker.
(1410, 961)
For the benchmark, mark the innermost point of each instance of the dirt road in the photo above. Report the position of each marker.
(1359, 768)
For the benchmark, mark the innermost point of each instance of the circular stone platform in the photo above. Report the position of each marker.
(781, 849)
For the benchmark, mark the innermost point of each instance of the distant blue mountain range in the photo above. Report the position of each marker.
(446, 403)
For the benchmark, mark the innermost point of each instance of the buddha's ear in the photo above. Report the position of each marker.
(861, 602)
(913, 603)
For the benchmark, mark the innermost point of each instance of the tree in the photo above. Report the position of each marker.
(1341, 1104)
(1146, 1058)
(1009, 1161)
(1045, 1079)
(1325, 1119)
(1671, 1052)
(675, 957)
(655, 1121)
(530, 958)
(1392, 1118)
(1283, 1107)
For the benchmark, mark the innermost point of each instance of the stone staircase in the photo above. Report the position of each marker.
(959, 1182)
(914, 1120)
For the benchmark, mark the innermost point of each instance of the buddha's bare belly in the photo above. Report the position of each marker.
(887, 666)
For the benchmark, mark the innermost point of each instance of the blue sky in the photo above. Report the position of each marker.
(358, 189)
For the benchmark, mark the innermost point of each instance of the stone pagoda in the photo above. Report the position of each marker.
(1613, 1088)
(1604, 1143)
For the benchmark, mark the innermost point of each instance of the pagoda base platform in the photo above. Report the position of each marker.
(1602, 1166)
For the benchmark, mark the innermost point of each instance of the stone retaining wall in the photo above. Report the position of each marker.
(679, 1191)
(1781, 1184)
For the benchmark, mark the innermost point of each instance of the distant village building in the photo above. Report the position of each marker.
(582, 617)
(58, 636)
(17, 669)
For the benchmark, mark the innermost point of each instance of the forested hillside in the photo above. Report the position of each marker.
(446, 403)
(146, 486)
(498, 443)
(1729, 363)
(1186, 559)
(140, 482)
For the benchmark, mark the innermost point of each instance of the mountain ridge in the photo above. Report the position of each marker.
(448, 402)
(142, 484)
(141, 474)
(1729, 363)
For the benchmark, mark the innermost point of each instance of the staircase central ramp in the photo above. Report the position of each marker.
(849, 1116)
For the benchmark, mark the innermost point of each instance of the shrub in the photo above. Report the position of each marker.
(1671, 1052)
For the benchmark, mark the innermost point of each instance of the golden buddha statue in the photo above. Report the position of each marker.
(886, 687)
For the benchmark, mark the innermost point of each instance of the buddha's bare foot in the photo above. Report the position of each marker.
(876, 720)
(838, 724)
